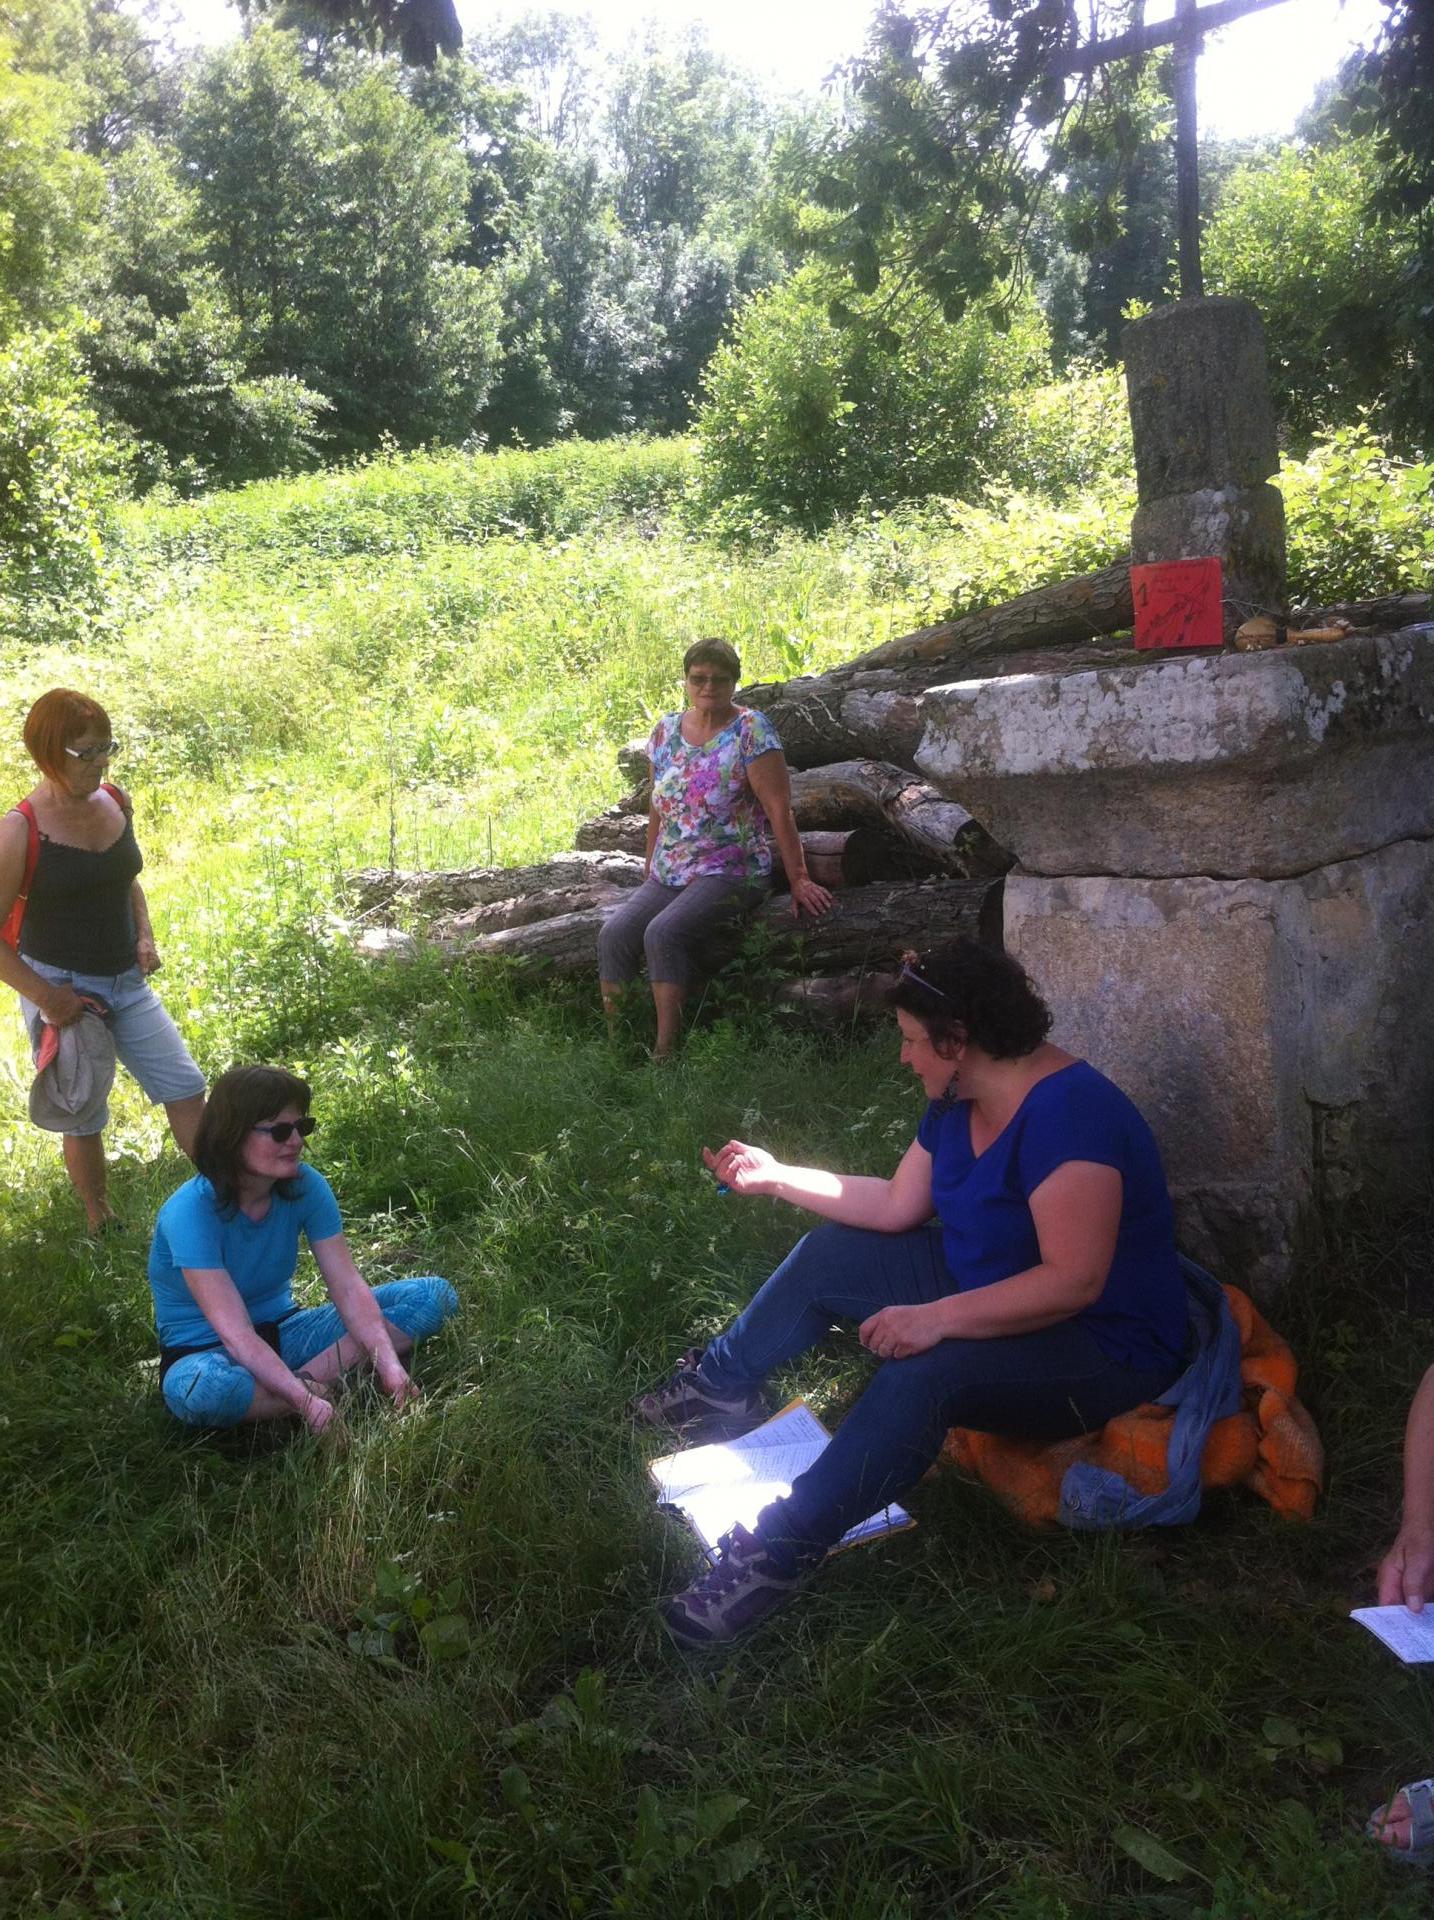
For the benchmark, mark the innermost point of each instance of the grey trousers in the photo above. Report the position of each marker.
(672, 926)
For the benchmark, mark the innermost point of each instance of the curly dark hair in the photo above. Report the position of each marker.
(712, 653)
(967, 991)
(238, 1101)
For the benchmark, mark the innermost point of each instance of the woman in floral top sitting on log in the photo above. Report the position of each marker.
(721, 794)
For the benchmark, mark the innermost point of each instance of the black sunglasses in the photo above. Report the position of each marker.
(279, 1130)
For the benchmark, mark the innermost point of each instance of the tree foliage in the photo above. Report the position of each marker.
(805, 418)
(959, 118)
(419, 30)
(1295, 235)
(332, 215)
(167, 352)
(58, 475)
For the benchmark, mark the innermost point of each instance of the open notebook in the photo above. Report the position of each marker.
(718, 1487)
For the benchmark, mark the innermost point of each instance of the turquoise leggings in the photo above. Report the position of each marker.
(208, 1389)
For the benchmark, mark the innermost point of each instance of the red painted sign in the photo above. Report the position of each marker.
(1177, 604)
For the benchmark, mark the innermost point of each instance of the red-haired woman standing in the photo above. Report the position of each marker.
(69, 868)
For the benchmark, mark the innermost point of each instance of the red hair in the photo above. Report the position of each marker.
(57, 718)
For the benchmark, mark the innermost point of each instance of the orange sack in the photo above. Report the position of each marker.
(1270, 1445)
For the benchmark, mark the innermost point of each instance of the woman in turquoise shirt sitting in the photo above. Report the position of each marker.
(234, 1346)
(1016, 1274)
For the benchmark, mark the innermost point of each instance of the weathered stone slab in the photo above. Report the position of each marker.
(1268, 763)
(1199, 394)
(1278, 1035)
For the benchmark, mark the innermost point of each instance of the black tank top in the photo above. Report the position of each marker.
(79, 914)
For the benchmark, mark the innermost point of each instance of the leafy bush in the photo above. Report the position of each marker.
(1359, 522)
(1070, 437)
(57, 477)
(1022, 542)
(806, 418)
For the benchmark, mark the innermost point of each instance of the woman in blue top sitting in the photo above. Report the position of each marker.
(233, 1345)
(1016, 1274)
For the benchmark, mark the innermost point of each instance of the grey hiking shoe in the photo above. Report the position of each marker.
(733, 1597)
(685, 1405)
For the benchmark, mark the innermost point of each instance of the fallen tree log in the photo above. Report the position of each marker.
(869, 707)
(1386, 614)
(869, 927)
(832, 1001)
(613, 831)
(892, 806)
(871, 793)
(380, 889)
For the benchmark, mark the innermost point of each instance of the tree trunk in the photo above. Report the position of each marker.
(1385, 615)
(869, 927)
(613, 831)
(872, 794)
(896, 817)
(870, 707)
(380, 889)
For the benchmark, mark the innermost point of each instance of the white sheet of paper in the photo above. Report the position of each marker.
(726, 1485)
(1409, 1635)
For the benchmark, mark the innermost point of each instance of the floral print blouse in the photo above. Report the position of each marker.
(709, 820)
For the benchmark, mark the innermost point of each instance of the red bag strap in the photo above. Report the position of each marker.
(120, 798)
(14, 920)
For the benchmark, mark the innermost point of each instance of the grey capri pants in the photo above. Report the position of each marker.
(672, 926)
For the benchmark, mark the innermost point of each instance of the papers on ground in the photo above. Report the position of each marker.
(718, 1487)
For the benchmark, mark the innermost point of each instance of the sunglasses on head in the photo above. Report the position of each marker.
(279, 1130)
(908, 972)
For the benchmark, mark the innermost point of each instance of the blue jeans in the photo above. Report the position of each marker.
(208, 1389)
(146, 1039)
(1049, 1385)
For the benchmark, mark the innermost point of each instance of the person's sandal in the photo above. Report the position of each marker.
(1419, 1795)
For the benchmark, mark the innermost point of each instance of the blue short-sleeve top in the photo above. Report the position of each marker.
(988, 1232)
(259, 1256)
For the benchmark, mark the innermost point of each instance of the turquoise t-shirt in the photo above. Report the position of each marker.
(983, 1204)
(258, 1255)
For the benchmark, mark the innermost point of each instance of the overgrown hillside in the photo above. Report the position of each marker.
(430, 660)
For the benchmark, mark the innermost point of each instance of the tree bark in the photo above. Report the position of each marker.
(1385, 615)
(869, 927)
(874, 794)
(613, 831)
(870, 707)
(894, 814)
(380, 889)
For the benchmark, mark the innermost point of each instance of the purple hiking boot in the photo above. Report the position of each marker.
(733, 1597)
(685, 1405)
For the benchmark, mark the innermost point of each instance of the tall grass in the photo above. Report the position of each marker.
(197, 1714)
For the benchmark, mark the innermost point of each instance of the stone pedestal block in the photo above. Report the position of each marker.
(1278, 1035)
(1241, 527)
(1216, 764)
(1199, 398)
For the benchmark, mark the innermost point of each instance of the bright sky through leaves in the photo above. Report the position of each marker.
(1255, 78)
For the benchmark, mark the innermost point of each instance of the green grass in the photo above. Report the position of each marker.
(965, 1720)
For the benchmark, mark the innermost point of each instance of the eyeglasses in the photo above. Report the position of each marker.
(90, 755)
(710, 680)
(279, 1130)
